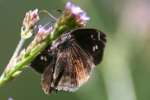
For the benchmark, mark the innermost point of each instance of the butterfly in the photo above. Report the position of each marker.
(67, 63)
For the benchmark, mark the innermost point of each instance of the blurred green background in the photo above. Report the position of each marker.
(125, 70)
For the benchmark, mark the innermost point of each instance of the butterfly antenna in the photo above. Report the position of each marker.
(49, 23)
(49, 14)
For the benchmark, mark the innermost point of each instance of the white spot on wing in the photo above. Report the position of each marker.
(43, 58)
(99, 35)
(92, 36)
(95, 48)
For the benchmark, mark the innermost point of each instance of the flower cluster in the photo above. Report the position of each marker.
(73, 17)
(76, 12)
(43, 32)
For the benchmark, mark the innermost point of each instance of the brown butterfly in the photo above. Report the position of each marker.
(67, 63)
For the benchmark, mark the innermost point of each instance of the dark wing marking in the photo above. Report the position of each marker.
(91, 41)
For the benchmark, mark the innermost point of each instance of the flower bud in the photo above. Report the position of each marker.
(30, 20)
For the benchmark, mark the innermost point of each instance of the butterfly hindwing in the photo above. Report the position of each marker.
(47, 79)
(72, 69)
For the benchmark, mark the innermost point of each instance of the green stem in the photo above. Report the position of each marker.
(21, 64)
(16, 53)
(17, 69)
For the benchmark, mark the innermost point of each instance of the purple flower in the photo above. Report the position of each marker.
(42, 29)
(43, 32)
(79, 14)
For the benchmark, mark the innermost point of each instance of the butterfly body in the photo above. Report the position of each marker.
(68, 62)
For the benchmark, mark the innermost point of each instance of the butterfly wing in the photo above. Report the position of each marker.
(47, 78)
(91, 41)
(72, 69)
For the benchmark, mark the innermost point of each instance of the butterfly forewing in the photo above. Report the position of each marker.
(91, 41)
